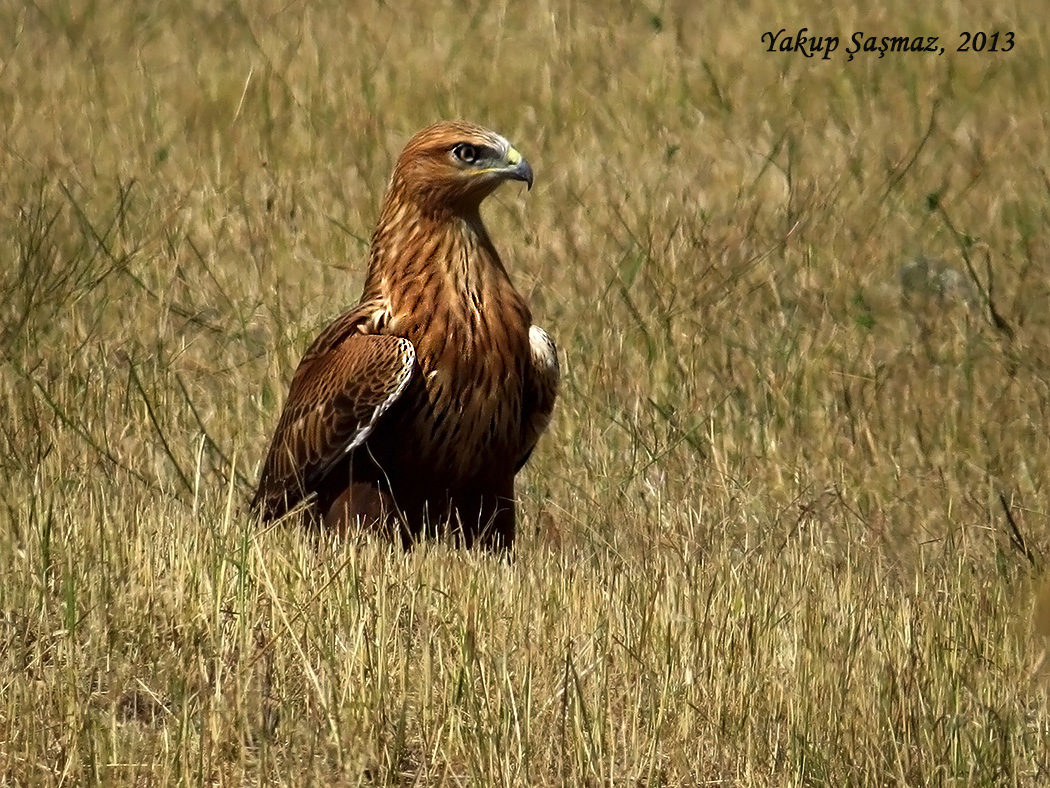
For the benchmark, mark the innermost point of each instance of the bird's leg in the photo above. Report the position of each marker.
(489, 520)
(363, 506)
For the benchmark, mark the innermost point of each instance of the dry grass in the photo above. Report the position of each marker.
(790, 522)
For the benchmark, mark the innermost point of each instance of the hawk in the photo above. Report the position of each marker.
(413, 412)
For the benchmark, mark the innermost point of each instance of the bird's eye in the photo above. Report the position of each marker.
(466, 153)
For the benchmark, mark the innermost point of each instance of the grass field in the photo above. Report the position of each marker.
(789, 525)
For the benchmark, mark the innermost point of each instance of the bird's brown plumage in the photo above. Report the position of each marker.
(415, 410)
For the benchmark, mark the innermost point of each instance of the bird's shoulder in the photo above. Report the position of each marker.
(543, 352)
(371, 316)
(355, 360)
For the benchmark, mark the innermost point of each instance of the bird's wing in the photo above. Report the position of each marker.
(541, 390)
(342, 388)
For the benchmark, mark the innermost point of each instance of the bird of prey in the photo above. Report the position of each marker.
(413, 412)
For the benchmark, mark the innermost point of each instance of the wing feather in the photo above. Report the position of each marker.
(343, 387)
(541, 390)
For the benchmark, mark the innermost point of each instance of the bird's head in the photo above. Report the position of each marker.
(453, 166)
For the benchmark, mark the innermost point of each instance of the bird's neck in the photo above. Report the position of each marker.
(446, 255)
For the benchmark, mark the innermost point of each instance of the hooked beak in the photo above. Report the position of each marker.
(518, 169)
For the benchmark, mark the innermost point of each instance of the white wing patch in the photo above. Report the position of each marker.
(408, 363)
(544, 354)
